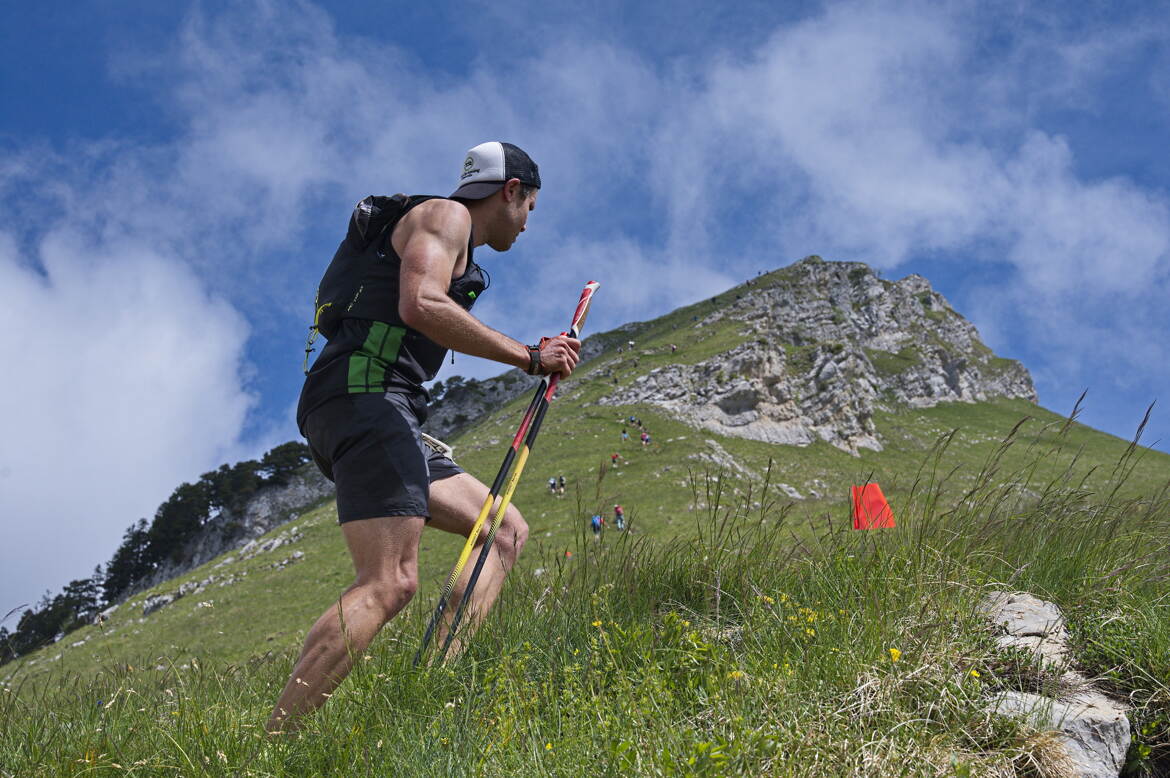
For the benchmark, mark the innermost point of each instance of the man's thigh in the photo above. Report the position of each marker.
(457, 501)
(383, 548)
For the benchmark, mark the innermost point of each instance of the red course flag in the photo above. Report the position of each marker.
(870, 509)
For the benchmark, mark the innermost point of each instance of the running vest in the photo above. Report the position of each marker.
(370, 348)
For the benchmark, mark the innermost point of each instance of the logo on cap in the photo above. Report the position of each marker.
(469, 168)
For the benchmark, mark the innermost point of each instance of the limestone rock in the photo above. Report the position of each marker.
(466, 401)
(1092, 728)
(105, 615)
(1029, 623)
(156, 601)
(722, 461)
(828, 344)
(296, 556)
(791, 491)
(268, 509)
(255, 547)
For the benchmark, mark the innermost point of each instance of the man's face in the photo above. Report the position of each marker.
(513, 217)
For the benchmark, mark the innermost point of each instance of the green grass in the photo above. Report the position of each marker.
(995, 493)
(1125, 641)
(890, 364)
(751, 640)
(269, 610)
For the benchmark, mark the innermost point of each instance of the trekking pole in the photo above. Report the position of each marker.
(540, 400)
(574, 331)
(465, 554)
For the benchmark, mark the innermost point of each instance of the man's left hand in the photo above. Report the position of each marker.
(559, 355)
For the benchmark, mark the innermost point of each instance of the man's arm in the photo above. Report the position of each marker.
(430, 241)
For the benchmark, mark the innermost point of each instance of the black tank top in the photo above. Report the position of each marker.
(381, 353)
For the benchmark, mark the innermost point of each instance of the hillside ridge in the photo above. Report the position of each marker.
(806, 353)
(827, 344)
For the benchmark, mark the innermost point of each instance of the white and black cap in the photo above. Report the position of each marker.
(490, 165)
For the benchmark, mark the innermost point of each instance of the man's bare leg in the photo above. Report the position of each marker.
(385, 558)
(454, 503)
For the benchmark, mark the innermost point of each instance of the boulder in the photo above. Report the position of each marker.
(156, 601)
(1092, 729)
(1029, 623)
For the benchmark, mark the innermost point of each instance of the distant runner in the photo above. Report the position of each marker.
(619, 517)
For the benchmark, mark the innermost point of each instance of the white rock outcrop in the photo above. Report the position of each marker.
(829, 343)
(1092, 728)
(251, 549)
(269, 508)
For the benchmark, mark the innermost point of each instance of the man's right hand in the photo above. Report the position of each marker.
(559, 355)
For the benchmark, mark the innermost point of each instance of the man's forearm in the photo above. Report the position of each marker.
(452, 327)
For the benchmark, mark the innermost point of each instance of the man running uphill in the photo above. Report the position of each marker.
(363, 403)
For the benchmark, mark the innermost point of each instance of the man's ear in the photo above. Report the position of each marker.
(511, 190)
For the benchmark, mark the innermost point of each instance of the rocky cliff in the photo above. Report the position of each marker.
(268, 508)
(828, 343)
(462, 403)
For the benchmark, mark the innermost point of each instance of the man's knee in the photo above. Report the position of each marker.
(513, 533)
(390, 594)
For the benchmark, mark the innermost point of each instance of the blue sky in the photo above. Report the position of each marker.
(174, 178)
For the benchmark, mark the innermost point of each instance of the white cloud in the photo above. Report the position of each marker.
(1102, 239)
(853, 128)
(121, 382)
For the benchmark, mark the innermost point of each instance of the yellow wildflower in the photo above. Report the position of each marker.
(974, 673)
(895, 655)
(735, 675)
(597, 622)
(548, 746)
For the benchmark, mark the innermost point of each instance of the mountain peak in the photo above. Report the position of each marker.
(822, 346)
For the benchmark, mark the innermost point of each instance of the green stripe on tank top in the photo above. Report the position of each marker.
(367, 365)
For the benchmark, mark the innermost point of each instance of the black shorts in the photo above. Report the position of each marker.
(370, 446)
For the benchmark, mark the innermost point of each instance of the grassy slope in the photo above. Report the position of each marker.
(267, 612)
(739, 654)
(270, 609)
